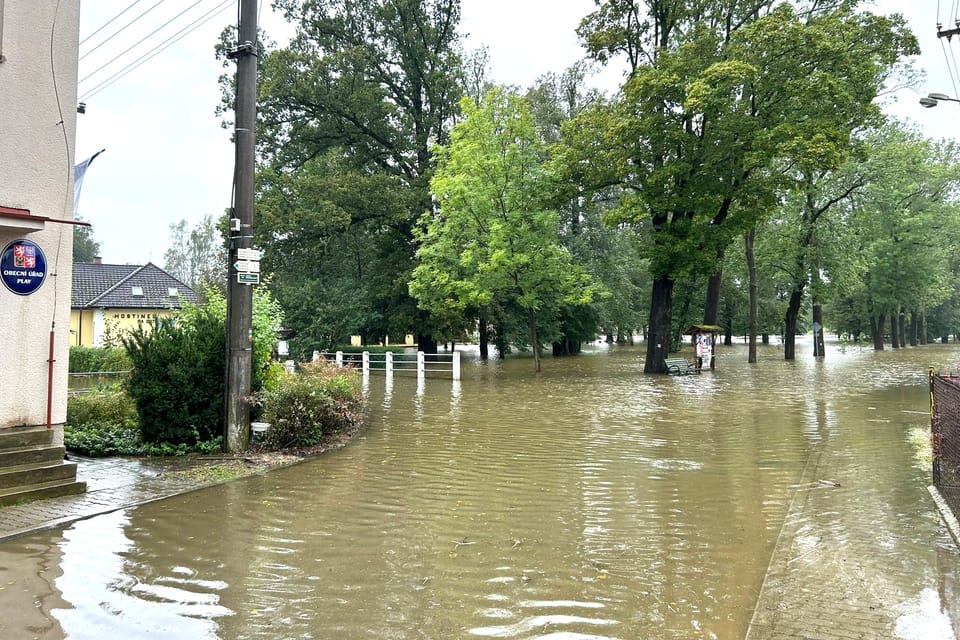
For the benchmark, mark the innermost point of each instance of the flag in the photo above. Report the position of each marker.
(78, 173)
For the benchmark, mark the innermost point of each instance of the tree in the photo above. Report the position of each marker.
(85, 248)
(906, 222)
(718, 97)
(198, 256)
(491, 243)
(349, 112)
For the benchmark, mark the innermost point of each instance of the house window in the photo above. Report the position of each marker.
(136, 291)
(173, 292)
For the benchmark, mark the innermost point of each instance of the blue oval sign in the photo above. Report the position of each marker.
(23, 267)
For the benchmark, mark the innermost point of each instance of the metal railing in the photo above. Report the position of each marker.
(420, 363)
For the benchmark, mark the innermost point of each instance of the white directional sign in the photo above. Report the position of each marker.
(249, 254)
(248, 266)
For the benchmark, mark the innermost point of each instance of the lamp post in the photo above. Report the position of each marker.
(933, 99)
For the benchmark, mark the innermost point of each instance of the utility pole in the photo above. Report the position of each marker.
(240, 294)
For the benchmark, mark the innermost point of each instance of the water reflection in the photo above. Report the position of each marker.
(590, 501)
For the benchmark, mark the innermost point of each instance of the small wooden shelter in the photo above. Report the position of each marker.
(704, 344)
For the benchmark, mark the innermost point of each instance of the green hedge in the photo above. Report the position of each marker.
(89, 359)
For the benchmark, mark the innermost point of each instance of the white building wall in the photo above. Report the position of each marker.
(38, 109)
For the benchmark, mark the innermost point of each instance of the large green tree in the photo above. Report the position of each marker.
(85, 248)
(492, 243)
(349, 112)
(718, 96)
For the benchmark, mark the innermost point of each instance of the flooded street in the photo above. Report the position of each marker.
(590, 502)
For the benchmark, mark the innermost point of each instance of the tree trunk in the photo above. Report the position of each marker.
(754, 295)
(818, 344)
(902, 326)
(426, 344)
(791, 319)
(876, 326)
(914, 328)
(661, 312)
(484, 337)
(500, 341)
(894, 329)
(534, 341)
(711, 310)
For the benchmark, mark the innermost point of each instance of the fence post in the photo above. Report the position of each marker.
(316, 356)
(289, 366)
(339, 359)
(389, 362)
(366, 362)
(456, 365)
(421, 364)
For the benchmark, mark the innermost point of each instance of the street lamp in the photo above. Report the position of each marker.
(933, 99)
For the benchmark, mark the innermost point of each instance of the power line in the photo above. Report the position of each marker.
(185, 31)
(121, 29)
(141, 41)
(110, 21)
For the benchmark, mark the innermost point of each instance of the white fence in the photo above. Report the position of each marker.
(390, 362)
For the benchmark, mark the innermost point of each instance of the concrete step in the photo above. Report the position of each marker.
(14, 437)
(40, 491)
(27, 474)
(15, 456)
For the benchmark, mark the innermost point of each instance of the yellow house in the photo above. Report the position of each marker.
(110, 299)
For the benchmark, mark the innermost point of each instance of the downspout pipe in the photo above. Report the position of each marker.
(50, 362)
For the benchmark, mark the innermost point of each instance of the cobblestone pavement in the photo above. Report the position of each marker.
(848, 566)
(112, 484)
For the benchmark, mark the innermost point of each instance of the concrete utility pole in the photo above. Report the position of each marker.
(240, 295)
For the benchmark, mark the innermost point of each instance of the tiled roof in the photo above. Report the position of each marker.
(100, 286)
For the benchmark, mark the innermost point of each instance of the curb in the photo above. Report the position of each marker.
(947, 514)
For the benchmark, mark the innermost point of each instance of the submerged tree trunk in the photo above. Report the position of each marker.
(754, 295)
(914, 328)
(661, 312)
(894, 329)
(426, 344)
(791, 319)
(818, 343)
(902, 326)
(534, 341)
(876, 327)
(484, 337)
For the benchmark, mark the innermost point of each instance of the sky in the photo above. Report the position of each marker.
(167, 158)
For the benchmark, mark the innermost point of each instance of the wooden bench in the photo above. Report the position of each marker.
(679, 366)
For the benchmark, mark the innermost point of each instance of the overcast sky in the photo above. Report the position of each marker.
(167, 158)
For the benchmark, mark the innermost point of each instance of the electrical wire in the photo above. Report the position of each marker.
(69, 175)
(952, 67)
(185, 31)
(121, 29)
(110, 21)
(141, 41)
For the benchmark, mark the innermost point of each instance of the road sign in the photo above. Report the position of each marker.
(249, 266)
(248, 278)
(249, 254)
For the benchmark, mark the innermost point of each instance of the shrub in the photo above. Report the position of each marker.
(177, 379)
(103, 406)
(104, 422)
(302, 406)
(87, 359)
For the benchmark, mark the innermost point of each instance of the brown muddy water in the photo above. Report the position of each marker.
(591, 502)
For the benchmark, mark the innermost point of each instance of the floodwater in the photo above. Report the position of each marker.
(590, 502)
